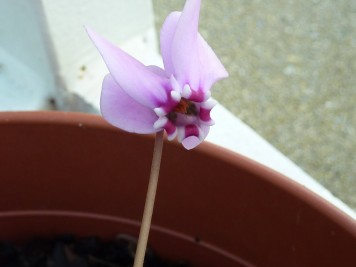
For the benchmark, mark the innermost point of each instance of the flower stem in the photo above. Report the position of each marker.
(150, 200)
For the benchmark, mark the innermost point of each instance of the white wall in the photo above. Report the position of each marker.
(44, 50)
(25, 73)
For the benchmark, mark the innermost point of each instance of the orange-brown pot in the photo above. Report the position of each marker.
(70, 172)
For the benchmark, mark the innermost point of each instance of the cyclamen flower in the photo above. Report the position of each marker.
(147, 99)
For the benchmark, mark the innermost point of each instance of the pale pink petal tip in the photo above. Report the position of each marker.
(191, 142)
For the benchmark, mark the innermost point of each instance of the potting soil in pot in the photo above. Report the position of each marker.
(69, 251)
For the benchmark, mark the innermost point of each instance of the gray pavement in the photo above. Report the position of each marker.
(292, 66)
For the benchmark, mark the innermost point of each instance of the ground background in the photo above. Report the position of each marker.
(292, 66)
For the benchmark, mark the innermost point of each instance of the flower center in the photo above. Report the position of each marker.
(186, 114)
(184, 107)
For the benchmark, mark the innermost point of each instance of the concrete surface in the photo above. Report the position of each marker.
(292, 66)
(253, 146)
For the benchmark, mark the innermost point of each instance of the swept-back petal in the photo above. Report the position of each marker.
(122, 111)
(212, 70)
(185, 52)
(138, 81)
(185, 58)
(166, 38)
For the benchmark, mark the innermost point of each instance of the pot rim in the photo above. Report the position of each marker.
(271, 176)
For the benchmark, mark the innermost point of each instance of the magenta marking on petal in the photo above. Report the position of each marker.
(197, 96)
(204, 114)
(173, 99)
(172, 135)
(170, 127)
(191, 130)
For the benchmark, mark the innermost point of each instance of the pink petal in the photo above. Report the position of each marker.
(184, 46)
(212, 69)
(166, 38)
(122, 111)
(143, 85)
(194, 61)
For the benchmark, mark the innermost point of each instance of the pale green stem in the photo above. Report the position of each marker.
(150, 200)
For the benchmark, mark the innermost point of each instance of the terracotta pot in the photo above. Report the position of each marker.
(67, 172)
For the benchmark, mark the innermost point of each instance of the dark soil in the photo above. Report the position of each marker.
(69, 251)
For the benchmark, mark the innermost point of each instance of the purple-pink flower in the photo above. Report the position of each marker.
(147, 99)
